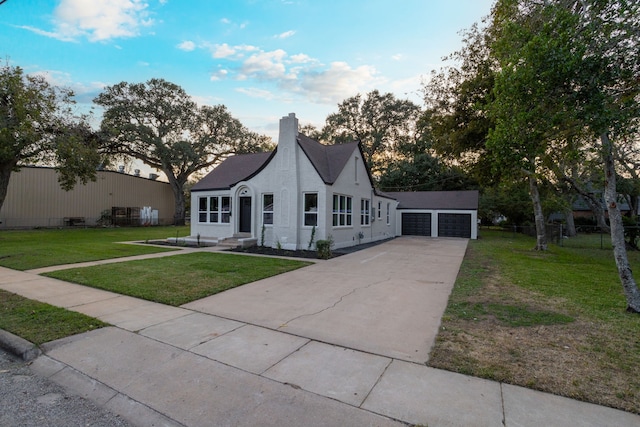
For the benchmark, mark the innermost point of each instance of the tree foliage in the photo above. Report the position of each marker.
(158, 123)
(37, 127)
(457, 98)
(381, 122)
(423, 172)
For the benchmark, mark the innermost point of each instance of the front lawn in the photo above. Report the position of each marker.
(29, 249)
(38, 322)
(178, 279)
(552, 321)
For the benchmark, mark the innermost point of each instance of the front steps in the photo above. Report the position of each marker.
(242, 240)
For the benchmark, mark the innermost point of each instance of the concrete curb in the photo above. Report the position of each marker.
(19, 347)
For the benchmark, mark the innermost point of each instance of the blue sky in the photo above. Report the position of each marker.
(261, 58)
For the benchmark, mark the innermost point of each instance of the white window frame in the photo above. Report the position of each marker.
(342, 213)
(309, 213)
(225, 211)
(212, 211)
(388, 213)
(365, 212)
(267, 213)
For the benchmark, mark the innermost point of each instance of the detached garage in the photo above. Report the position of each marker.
(438, 213)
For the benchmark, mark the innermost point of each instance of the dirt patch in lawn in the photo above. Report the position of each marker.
(506, 333)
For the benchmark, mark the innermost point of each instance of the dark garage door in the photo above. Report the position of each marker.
(416, 224)
(454, 225)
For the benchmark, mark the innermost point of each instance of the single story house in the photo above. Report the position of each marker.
(305, 191)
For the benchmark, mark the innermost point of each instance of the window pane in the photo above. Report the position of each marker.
(226, 204)
(310, 219)
(202, 217)
(202, 202)
(267, 218)
(311, 202)
(268, 203)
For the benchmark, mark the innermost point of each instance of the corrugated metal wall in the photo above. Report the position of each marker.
(35, 199)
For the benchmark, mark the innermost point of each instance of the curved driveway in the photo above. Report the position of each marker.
(386, 300)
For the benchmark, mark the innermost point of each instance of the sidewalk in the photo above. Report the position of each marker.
(231, 360)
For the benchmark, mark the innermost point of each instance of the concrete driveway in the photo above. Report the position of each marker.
(386, 300)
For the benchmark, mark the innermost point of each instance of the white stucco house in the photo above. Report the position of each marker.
(305, 191)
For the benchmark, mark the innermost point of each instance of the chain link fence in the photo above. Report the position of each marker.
(587, 236)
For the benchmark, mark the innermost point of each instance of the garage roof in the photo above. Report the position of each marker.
(463, 200)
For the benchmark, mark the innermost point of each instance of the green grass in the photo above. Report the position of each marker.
(585, 277)
(38, 322)
(24, 250)
(179, 279)
(555, 321)
(510, 315)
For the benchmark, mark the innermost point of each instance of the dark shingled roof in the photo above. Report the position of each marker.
(464, 200)
(328, 160)
(233, 170)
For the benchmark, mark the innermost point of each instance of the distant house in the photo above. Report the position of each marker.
(35, 199)
(305, 191)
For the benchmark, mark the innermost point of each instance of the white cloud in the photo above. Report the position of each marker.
(219, 75)
(225, 21)
(336, 83)
(265, 66)
(285, 35)
(257, 93)
(397, 57)
(187, 46)
(301, 58)
(99, 20)
(51, 34)
(223, 51)
(298, 74)
(84, 92)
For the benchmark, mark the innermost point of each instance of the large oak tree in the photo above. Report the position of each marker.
(158, 123)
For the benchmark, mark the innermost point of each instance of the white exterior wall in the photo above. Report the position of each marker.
(434, 219)
(354, 181)
(207, 230)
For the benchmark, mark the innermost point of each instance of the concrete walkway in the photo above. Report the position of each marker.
(339, 343)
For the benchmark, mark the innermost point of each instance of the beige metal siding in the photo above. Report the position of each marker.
(35, 199)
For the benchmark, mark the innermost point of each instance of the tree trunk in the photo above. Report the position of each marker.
(629, 285)
(5, 174)
(594, 205)
(178, 197)
(571, 226)
(541, 232)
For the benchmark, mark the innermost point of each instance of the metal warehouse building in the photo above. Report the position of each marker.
(35, 199)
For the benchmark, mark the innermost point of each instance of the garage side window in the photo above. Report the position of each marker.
(342, 211)
(388, 213)
(267, 209)
(365, 211)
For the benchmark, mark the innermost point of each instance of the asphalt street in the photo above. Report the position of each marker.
(28, 400)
